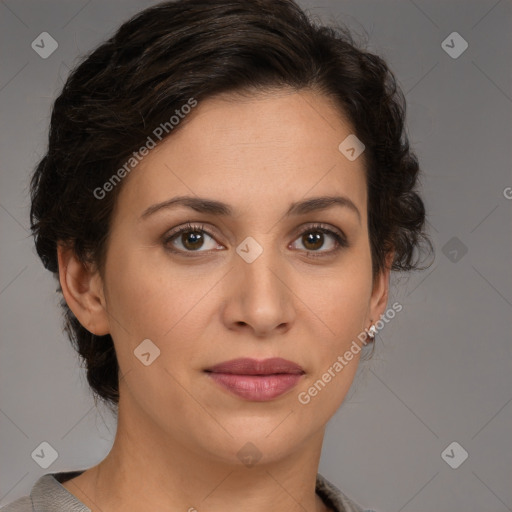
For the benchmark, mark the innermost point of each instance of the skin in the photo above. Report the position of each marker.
(178, 432)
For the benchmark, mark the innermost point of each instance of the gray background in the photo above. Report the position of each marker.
(442, 369)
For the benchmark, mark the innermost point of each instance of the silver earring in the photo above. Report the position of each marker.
(372, 331)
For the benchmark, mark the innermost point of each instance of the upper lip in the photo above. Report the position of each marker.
(247, 366)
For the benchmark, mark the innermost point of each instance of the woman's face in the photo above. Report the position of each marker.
(253, 278)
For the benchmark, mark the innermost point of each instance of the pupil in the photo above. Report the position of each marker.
(192, 238)
(314, 238)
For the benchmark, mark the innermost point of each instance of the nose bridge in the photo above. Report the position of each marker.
(259, 263)
(264, 298)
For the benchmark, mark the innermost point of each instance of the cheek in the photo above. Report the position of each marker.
(149, 298)
(136, 294)
(342, 301)
(341, 304)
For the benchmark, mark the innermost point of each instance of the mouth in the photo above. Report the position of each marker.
(247, 366)
(256, 380)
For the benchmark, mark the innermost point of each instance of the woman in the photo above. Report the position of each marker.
(227, 188)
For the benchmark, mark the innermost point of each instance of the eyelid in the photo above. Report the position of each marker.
(320, 226)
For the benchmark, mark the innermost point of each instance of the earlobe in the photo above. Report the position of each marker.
(83, 291)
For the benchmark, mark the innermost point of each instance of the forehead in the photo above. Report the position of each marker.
(259, 150)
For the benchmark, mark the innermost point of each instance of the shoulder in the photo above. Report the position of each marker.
(48, 495)
(335, 498)
(23, 504)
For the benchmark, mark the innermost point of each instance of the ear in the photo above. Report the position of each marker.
(380, 292)
(83, 290)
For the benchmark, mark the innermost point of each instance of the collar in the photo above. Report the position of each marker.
(48, 494)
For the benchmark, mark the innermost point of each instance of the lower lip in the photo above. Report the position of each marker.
(258, 388)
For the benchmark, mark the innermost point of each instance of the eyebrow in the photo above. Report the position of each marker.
(213, 207)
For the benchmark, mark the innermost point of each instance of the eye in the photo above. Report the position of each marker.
(191, 237)
(313, 238)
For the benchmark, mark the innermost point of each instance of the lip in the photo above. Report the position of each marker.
(257, 380)
(248, 366)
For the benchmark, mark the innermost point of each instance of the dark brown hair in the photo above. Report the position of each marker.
(165, 55)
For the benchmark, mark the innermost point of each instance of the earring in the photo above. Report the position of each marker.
(372, 331)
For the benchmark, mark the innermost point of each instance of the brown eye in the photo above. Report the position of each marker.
(190, 238)
(315, 238)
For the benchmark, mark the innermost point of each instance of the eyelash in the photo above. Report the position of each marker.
(341, 241)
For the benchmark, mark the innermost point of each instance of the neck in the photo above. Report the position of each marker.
(147, 470)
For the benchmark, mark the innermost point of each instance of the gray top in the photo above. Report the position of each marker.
(48, 495)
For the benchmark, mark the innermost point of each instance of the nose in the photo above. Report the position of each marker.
(259, 295)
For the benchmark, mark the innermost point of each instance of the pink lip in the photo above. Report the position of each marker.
(257, 380)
